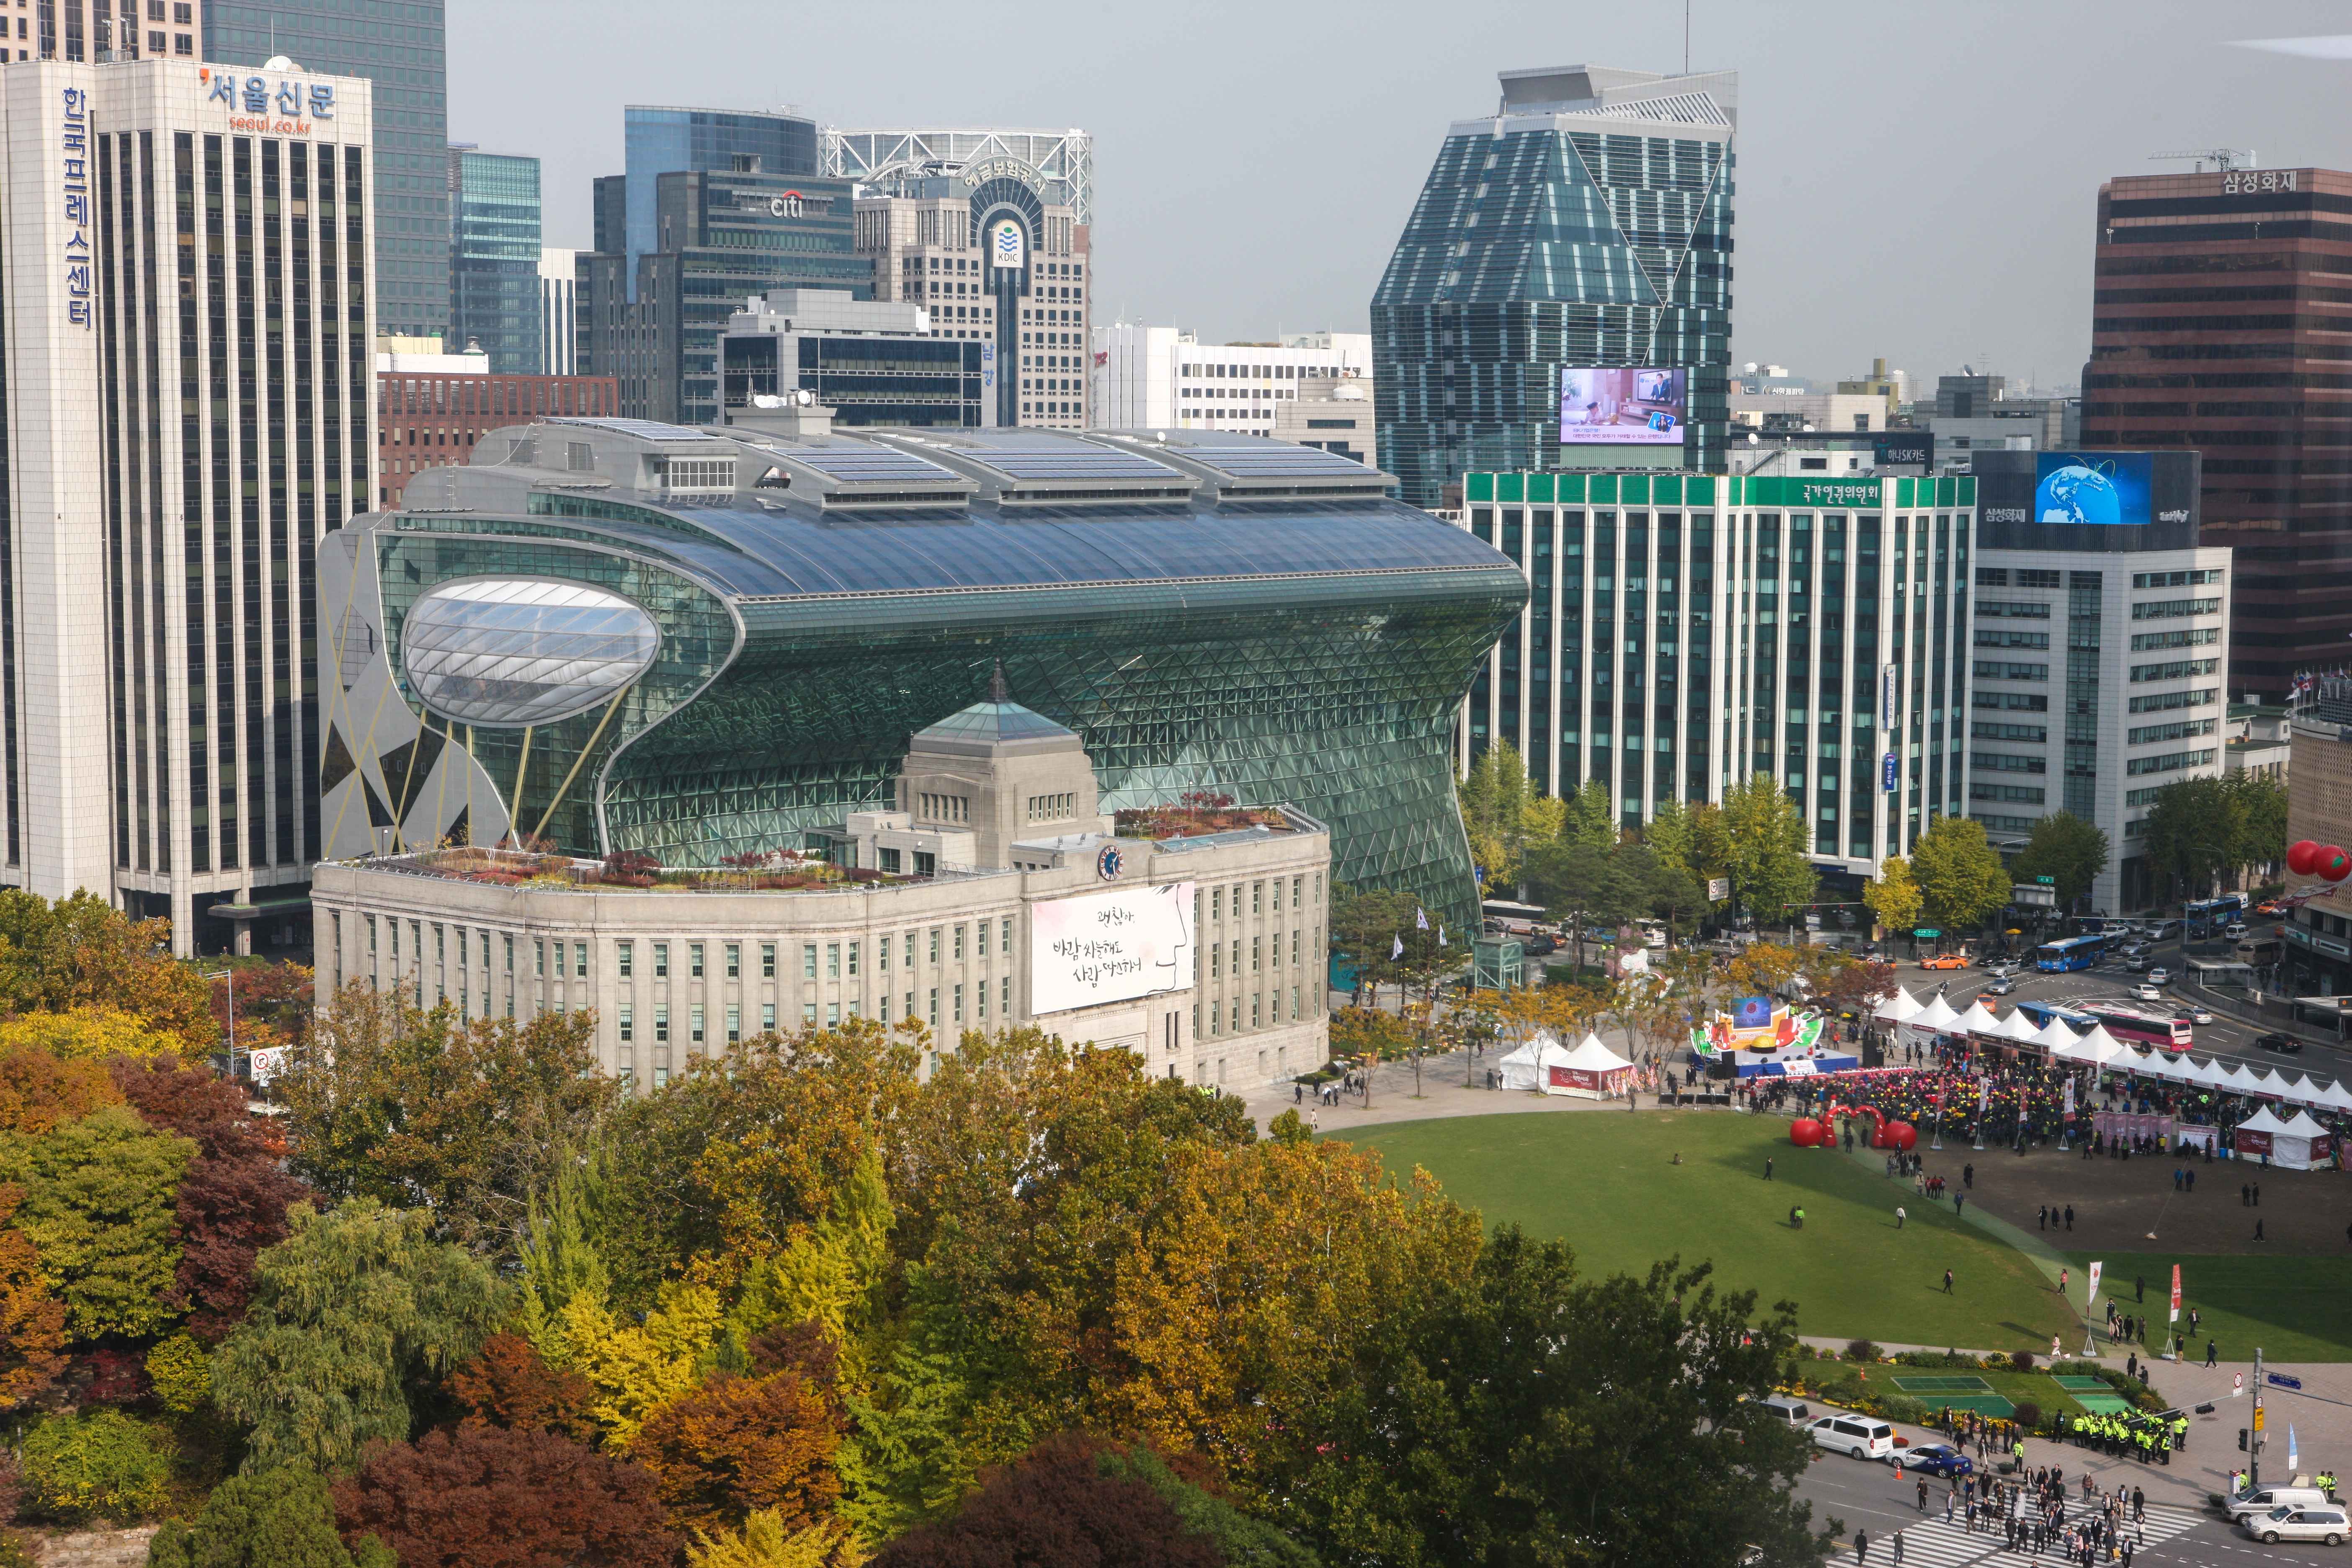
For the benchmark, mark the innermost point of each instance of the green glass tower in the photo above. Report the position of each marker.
(1587, 223)
(494, 257)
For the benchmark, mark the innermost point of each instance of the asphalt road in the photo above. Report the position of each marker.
(2232, 1039)
(1864, 1495)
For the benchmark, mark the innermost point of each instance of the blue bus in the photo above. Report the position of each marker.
(2040, 1012)
(2207, 916)
(2073, 952)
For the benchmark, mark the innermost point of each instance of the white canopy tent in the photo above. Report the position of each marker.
(1898, 1008)
(2294, 1143)
(1591, 1071)
(2018, 1027)
(1977, 1020)
(1935, 1017)
(2054, 1036)
(1523, 1069)
(2336, 1097)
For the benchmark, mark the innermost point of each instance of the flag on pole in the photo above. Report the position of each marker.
(1984, 1093)
(2293, 1462)
(1441, 933)
(1420, 918)
(1396, 946)
(2175, 1316)
(2092, 1299)
(2069, 1106)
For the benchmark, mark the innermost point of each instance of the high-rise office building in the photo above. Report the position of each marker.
(398, 45)
(188, 409)
(2217, 320)
(2100, 649)
(1148, 376)
(1585, 224)
(992, 231)
(494, 259)
(559, 311)
(87, 30)
(716, 206)
(1684, 631)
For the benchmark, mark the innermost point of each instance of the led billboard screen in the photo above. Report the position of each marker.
(1623, 407)
(2105, 489)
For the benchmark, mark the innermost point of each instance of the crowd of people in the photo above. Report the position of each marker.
(2035, 1516)
(2131, 1435)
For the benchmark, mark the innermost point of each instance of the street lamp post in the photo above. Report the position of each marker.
(229, 975)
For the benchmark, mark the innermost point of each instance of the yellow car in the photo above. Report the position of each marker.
(1946, 961)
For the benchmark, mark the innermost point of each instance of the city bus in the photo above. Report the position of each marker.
(2073, 952)
(2208, 916)
(2140, 1026)
(2040, 1012)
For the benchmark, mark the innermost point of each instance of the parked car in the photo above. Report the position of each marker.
(2286, 1045)
(2135, 962)
(2160, 975)
(2192, 1013)
(2002, 986)
(1864, 1437)
(2255, 1503)
(1946, 961)
(1939, 1460)
(2325, 1525)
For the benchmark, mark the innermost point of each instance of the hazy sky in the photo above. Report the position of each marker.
(1916, 180)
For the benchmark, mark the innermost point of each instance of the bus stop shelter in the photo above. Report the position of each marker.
(2221, 972)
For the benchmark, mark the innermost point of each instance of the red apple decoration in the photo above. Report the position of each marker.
(2302, 856)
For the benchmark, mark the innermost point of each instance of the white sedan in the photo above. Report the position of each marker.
(2146, 994)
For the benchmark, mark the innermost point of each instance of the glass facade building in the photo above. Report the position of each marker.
(399, 45)
(1207, 612)
(493, 290)
(1685, 631)
(1587, 223)
(658, 141)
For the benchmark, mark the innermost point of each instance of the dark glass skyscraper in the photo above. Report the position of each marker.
(494, 257)
(660, 141)
(398, 46)
(1586, 223)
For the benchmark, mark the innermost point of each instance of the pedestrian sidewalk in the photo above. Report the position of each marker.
(1442, 1093)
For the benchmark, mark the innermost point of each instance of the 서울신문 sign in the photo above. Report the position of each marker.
(284, 106)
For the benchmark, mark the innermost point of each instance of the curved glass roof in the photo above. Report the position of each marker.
(782, 553)
(517, 652)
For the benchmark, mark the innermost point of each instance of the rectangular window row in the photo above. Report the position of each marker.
(2171, 763)
(2173, 609)
(2211, 577)
(2163, 701)
(2178, 729)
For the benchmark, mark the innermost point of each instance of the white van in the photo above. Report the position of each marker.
(2325, 1523)
(1863, 1437)
(1792, 1412)
(2270, 1498)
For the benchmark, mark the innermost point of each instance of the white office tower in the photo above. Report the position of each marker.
(187, 297)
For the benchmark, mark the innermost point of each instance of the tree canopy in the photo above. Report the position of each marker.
(1893, 895)
(2068, 851)
(1961, 878)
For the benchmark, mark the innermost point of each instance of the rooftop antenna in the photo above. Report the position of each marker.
(1687, 6)
(2223, 159)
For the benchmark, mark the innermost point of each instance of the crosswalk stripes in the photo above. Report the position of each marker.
(1931, 1543)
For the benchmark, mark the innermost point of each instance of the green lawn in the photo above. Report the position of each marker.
(1608, 1184)
(2293, 1308)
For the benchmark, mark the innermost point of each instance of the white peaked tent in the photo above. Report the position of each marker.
(2262, 1081)
(2210, 1073)
(1933, 1018)
(1898, 1007)
(2157, 1064)
(2296, 1089)
(2296, 1143)
(1977, 1020)
(2054, 1036)
(2236, 1080)
(1593, 1071)
(2097, 1046)
(1525, 1068)
(2336, 1097)
(2018, 1027)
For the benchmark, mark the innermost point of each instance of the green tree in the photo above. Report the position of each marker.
(1961, 878)
(1670, 835)
(1766, 850)
(279, 1518)
(1495, 800)
(1592, 818)
(424, 1109)
(1579, 882)
(1489, 1430)
(2193, 832)
(2259, 830)
(81, 951)
(2067, 849)
(1894, 896)
(351, 1313)
(100, 1207)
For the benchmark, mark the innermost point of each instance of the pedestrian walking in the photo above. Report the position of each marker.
(2139, 1288)
(2245, 1196)
(2258, 1230)
(2070, 1216)
(2042, 1217)
(1862, 1546)
(2063, 1276)
(1948, 1281)
(1969, 1175)
(2212, 1357)
(1960, 1202)
(1923, 1494)
(1900, 1217)
(2258, 1193)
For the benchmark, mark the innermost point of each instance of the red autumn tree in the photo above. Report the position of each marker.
(509, 1386)
(32, 1321)
(232, 1202)
(1056, 1508)
(739, 1445)
(486, 1497)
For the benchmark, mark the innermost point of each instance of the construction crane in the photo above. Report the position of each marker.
(2223, 159)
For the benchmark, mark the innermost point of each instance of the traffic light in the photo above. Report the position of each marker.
(2241, 1439)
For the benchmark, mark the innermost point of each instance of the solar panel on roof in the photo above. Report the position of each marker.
(865, 465)
(644, 429)
(1070, 460)
(1266, 460)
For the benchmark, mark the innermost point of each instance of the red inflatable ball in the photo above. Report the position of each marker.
(2302, 856)
(2334, 865)
(1878, 1136)
(1901, 1135)
(1806, 1133)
